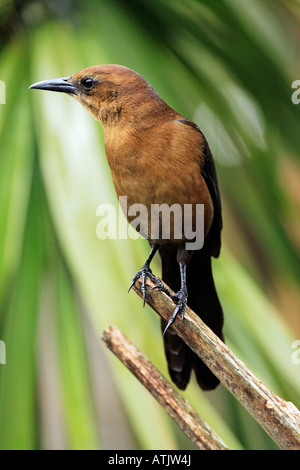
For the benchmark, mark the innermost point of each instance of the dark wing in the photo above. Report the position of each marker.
(210, 176)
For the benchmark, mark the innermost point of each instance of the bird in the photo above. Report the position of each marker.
(157, 156)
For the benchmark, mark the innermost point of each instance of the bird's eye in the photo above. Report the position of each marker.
(88, 83)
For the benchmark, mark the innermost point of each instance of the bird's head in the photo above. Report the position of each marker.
(112, 93)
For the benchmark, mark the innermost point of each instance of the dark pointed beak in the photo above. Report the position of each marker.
(57, 84)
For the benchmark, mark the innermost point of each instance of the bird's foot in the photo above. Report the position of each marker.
(181, 299)
(144, 273)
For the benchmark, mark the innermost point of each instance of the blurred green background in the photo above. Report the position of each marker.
(229, 66)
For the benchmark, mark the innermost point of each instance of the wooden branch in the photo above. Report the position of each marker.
(195, 428)
(279, 418)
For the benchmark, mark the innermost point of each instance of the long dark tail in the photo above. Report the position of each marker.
(203, 299)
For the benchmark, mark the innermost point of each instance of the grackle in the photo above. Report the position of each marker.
(156, 156)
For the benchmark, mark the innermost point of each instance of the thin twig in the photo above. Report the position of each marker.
(279, 418)
(195, 428)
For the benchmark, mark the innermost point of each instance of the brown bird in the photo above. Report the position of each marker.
(156, 156)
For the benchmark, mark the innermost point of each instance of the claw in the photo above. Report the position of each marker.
(159, 286)
(172, 319)
(144, 273)
(131, 285)
(135, 278)
(143, 288)
(181, 298)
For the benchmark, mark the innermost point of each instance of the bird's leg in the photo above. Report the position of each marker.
(180, 297)
(146, 272)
